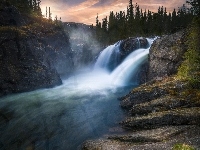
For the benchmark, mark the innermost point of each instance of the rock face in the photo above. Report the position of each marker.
(33, 53)
(58, 51)
(129, 45)
(24, 64)
(166, 55)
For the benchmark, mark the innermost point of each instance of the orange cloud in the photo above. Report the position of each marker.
(86, 11)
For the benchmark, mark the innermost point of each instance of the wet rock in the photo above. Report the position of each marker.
(58, 51)
(24, 64)
(181, 116)
(132, 44)
(162, 104)
(137, 97)
(129, 45)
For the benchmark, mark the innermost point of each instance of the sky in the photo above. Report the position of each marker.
(85, 11)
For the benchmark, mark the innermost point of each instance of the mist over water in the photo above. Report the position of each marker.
(84, 107)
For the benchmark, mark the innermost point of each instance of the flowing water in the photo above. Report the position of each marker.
(84, 107)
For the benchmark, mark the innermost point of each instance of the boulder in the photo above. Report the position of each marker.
(166, 55)
(129, 45)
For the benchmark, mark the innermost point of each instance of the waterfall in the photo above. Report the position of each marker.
(138, 42)
(123, 74)
(109, 56)
(127, 69)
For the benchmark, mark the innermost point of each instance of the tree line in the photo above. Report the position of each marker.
(138, 22)
(27, 6)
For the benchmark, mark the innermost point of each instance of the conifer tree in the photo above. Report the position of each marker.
(130, 18)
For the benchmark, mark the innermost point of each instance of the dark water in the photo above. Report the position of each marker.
(84, 107)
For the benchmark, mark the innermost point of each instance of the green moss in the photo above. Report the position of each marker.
(182, 147)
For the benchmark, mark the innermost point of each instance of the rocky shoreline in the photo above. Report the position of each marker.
(162, 118)
(162, 112)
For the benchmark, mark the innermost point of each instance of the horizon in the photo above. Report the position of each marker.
(85, 11)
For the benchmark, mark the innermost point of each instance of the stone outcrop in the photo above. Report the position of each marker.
(129, 45)
(34, 53)
(24, 64)
(166, 55)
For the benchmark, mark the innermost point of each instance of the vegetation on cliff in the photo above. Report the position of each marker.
(190, 68)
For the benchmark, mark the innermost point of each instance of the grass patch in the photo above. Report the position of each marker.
(182, 147)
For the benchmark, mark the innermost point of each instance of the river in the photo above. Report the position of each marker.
(83, 108)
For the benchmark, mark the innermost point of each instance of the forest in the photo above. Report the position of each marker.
(138, 22)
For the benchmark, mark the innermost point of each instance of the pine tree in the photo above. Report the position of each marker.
(131, 11)
(50, 13)
(174, 21)
(97, 21)
(105, 24)
(130, 18)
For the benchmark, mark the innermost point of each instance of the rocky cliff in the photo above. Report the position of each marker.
(34, 52)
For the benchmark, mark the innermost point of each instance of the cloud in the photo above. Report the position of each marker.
(103, 3)
(85, 11)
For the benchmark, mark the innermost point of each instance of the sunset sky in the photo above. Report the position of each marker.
(85, 11)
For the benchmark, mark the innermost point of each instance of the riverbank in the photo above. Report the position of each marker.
(161, 114)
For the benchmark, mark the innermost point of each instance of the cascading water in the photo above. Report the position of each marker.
(125, 71)
(109, 54)
(123, 74)
(138, 42)
(83, 108)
